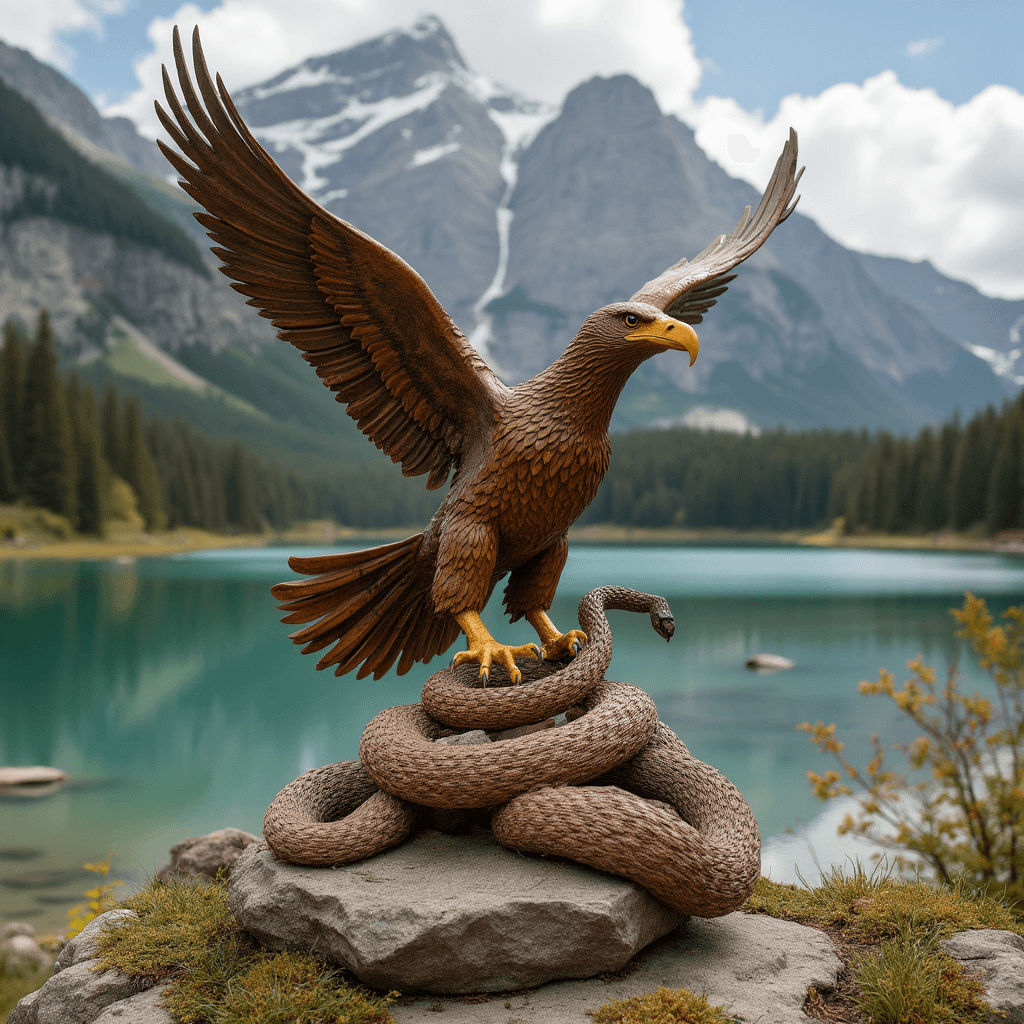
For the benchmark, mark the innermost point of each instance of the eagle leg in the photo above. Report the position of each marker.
(557, 645)
(483, 649)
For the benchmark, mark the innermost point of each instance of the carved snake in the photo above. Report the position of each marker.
(613, 788)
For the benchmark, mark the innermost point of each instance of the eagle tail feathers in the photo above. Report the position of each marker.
(371, 605)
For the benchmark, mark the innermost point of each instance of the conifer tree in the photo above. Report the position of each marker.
(139, 470)
(12, 372)
(969, 486)
(51, 478)
(113, 441)
(1006, 488)
(93, 471)
(8, 492)
(242, 507)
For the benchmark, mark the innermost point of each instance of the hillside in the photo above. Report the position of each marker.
(523, 219)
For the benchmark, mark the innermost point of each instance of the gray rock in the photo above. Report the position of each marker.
(16, 928)
(754, 966)
(998, 958)
(769, 663)
(451, 914)
(77, 995)
(145, 1008)
(206, 855)
(83, 946)
(21, 955)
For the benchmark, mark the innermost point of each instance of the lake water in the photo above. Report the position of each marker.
(169, 692)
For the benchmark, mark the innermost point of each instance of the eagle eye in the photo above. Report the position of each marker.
(632, 319)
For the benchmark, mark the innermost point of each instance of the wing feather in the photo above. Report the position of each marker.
(363, 318)
(689, 288)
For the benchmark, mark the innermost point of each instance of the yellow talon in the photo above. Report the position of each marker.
(484, 650)
(556, 645)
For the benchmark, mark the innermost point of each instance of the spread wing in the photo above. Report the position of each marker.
(359, 314)
(689, 289)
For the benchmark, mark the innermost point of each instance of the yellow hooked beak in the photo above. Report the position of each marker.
(668, 333)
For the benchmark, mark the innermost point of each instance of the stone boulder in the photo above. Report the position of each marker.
(997, 958)
(756, 967)
(205, 856)
(450, 914)
(20, 954)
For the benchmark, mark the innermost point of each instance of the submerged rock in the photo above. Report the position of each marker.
(769, 663)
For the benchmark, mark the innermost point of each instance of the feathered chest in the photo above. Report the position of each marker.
(543, 472)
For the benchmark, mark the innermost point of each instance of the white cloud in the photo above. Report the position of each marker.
(540, 47)
(922, 46)
(34, 26)
(896, 171)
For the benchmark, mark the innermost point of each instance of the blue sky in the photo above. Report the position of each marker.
(755, 52)
(910, 113)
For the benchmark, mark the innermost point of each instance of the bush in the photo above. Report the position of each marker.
(965, 820)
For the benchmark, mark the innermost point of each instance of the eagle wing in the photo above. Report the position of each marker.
(688, 289)
(359, 314)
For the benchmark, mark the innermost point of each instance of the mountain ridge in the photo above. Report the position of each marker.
(523, 219)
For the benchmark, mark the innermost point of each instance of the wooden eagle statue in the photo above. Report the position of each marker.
(527, 460)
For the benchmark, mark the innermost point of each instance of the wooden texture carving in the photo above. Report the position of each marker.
(525, 461)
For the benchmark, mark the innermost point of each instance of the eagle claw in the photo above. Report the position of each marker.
(489, 652)
(564, 645)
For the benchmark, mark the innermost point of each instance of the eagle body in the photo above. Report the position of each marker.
(524, 462)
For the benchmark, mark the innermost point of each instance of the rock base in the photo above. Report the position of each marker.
(450, 914)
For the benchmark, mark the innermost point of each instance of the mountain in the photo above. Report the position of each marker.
(523, 219)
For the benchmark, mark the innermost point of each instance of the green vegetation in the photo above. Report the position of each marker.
(960, 478)
(77, 191)
(665, 1006)
(965, 819)
(185, 934)
(887, 931)
(15, 985)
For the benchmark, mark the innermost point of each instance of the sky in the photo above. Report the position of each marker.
(910, 114)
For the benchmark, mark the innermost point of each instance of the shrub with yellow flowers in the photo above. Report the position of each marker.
(962, 816)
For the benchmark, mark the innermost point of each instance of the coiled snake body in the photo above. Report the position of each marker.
(613, 788)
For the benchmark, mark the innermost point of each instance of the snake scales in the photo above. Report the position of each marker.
(613, 788)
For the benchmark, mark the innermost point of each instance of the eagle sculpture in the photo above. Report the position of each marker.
(527, 460)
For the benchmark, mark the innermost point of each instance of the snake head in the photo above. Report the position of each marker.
(662, 619)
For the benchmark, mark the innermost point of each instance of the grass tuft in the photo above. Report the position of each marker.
(185, 934)
(908, 980)
(665, 1006)
(873, 906)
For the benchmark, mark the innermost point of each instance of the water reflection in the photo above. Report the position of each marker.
(174, 679)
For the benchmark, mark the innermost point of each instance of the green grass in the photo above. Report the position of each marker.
(15, 985)
(185, 934)
(665, 1006)
(888, 930)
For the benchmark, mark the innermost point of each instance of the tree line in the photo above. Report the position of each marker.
(958, 477)
(64, 450)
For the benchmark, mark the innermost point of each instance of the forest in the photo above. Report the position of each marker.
(77, 191)
(64, 449)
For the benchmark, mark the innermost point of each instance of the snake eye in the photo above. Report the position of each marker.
(632, 320)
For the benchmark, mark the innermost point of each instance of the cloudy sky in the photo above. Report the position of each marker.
(910, 114)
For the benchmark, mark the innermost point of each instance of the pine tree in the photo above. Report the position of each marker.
(1006, 487)
(12, 370)
(8, 492)
(50, 475)
(969, 485)
(113, 441)
(93, 471)
(139, 470)
(242, 507)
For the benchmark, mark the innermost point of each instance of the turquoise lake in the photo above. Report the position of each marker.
(168, 690)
